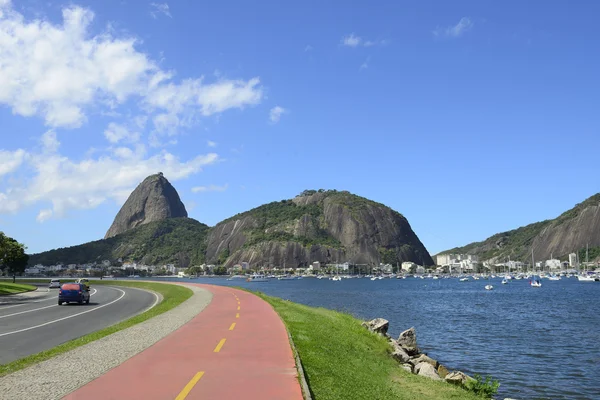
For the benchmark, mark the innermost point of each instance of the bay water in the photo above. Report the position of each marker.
(540, 343)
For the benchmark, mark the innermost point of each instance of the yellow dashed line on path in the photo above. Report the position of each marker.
(232, 326)
(237, 315)
(238, 308)
(187, 389)
(221, 343)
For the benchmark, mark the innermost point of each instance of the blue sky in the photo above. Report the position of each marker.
(468, 117)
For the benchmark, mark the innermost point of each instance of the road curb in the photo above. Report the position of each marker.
(301, 375)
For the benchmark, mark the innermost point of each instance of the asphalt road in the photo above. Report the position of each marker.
(34, 322)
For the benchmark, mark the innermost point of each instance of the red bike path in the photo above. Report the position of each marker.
(210, 358)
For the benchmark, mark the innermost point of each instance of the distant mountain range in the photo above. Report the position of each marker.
(327, 226)
(570, 232)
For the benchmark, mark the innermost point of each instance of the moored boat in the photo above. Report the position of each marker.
(257, 278)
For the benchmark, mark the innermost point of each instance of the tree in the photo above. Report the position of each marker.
(195, 270)
(12, 256)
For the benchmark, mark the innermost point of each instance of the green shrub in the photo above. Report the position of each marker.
(483, 388)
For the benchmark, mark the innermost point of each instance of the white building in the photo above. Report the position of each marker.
(553, 264)
(458, 262)
(573, 260)
(245, 266)
(420, 269)
(386, 268)
(407, 266)
(171, 268)
(33, 271)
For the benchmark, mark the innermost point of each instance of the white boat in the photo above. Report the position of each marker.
(554, 278)
(464, 280)
(489, 287)
(286, 278)
(585, 278)
(257, 278)
(504, 281)
(535, 283)
(336, 278)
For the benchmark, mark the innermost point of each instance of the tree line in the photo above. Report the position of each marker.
(13, 259)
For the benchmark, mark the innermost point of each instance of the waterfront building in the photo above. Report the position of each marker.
(573, 260)
(408, 266)
(553, 264)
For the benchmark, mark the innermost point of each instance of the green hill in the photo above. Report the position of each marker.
(173, 240)
(570, 232)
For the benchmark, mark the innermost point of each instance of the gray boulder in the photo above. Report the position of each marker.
(398, 352)
(377, 325)
(458, 378)
(426, 369)
(442, 371)
(406, 367)
(408, 341)
(424, 359)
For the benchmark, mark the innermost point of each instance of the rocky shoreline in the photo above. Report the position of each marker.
(407, 353)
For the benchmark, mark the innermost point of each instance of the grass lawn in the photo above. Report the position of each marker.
(14, 288)
(173, 295)
(344, 361)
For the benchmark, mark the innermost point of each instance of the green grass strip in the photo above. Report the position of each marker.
(173, 295)
(343, 360)
(14, 288)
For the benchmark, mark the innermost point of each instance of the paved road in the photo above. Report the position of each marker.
(236, 348)
(34, 322)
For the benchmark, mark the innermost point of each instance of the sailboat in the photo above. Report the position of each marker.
(534, 282)
(285, 276)
(585, 277)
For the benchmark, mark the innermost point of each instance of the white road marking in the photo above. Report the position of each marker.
(3, 307)
(64, 318)
(154, 304)
(41, 308)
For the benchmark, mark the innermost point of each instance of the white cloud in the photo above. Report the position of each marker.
(365, 64)
(209, 188)
(10, 161)
(352, 40)
(68, 184)
(115, 133)
(44, 215)
(465, 24)
(160, 8)
(49, 141)
(61, 72)
(210, 143)
(181, 104)
(276, 113)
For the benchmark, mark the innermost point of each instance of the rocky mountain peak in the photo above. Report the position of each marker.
(154, 199)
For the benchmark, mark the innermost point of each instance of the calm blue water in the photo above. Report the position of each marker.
(540, 343)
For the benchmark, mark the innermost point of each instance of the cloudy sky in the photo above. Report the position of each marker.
(469, 117)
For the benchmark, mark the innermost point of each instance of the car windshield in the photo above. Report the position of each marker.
(70, 286)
